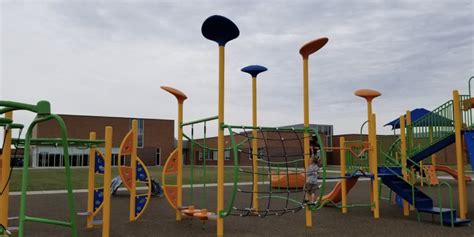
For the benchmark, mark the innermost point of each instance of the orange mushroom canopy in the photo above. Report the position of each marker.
(312, 46)
(180, 96)
(368, 94)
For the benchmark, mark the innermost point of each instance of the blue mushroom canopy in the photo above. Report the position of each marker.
(219, 29)
(254, 70)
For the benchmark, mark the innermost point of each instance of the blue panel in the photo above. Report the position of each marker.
(140, 202)
(419, 113)
(219, 29)
(141, 174)
(432, 149)
(469, 138)
(98, 197)
(99, 163)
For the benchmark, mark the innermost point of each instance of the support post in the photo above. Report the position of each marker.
(403, 148)
(220, 145)
(179, 176)
(107, 181)
(90, 185)
(412, 176)
(5, 173)
(309, 221)
(459, 158)
(254, 145)
(133, 167)
(342, 150)
(375, 182)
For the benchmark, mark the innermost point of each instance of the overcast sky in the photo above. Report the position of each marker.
(111, 57)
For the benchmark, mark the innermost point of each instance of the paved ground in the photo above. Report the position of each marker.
(159, 219)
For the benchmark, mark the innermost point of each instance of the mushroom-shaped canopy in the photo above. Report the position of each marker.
(368, 94)
(180, 96)
(312, 46)
(254, 70)
(219, 29)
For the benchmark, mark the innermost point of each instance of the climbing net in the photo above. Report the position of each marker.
(280, 169)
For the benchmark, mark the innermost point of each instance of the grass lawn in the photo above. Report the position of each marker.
(54, 179)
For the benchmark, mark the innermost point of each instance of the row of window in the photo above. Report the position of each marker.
(57, 160)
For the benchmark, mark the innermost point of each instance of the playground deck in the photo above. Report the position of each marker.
(159, 219)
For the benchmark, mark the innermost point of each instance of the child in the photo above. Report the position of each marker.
(312, 175)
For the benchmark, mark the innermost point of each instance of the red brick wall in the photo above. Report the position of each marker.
(158, 133)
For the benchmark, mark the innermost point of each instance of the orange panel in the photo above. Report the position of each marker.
(430, 172)
(172, 192)
(126, 175)
(172, 163)
(127, 144)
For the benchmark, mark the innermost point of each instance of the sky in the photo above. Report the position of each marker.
(109, 58)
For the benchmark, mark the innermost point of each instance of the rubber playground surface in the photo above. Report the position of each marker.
(159, 218)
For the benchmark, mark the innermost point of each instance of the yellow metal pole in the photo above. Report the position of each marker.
(412, 177)
(342, 151)
(5, 172)
(220, 145)
(133, 166)
(254, 144)
(459, 158)
(107, 181)
(309, 221)
(91, 186)
(403, 149)
(179, 177)
(375, 182)
(371, 154)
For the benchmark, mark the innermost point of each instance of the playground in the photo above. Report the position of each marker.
(376, 189)
(328, 221)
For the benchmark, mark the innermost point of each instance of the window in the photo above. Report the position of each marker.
(227, 155)
(140, 132)
(260, 153)
(158, 156)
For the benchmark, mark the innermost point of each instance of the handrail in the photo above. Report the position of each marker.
(42, 107)
(440, 200)
(199, 121)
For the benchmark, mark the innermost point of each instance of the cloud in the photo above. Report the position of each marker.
(110, 57)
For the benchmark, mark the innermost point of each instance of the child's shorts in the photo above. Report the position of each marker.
(311, 188)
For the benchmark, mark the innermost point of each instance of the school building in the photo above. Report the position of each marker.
(155, 139)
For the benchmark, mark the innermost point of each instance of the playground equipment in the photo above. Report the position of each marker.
(369, 95)
(222, 30)
(43, 113)
(254, 70)
(430, 172)
(132, 170)
(420, 139)
(98, 198)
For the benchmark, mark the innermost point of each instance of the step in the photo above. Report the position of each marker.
(457, 222)
(436, 210)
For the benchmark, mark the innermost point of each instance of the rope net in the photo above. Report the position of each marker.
(280, 169)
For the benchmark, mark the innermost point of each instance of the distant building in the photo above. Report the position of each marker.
(269, 145)
(155, 139)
